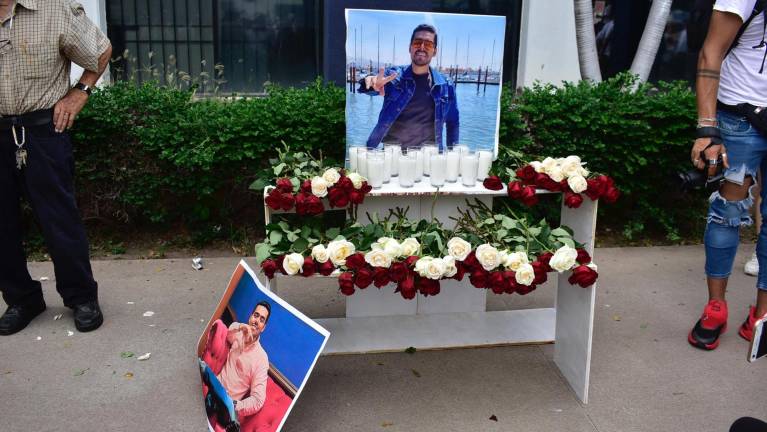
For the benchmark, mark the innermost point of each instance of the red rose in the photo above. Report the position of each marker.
(288, 201)
(345, 184)
(543, 181)
(406, 288)
(573, 200)
(279, 260)
(410, 261)
(428, 286)
(479, 278)
(595, 189)
(301, 206)
(515, 189)
(274, 199)
(583, 256)
(584, 276)
(326, 268)
(497, 282)
(611, 194)
(564, 186)
(314, 205)
(607, 180)
(398, 271)
(284, 185)
(355, 261)
(346, 283)
(541, 272)
(471, 262)
(461, 271)
(527, 174)
(269, 267)
(524, 289)
(529, 197)
(357, 197)
(306, 186)
(381, 277)
(511, 282)
(363, 277)
(338, 197)
(493, 183)
(544, 259)
(308, 268)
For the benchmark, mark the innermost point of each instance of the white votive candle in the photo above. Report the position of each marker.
(396, 151)
(375, 169)
(407, 164)
(428, 150)
(437, 162)
(353, 159)
(418, 165)
(484, 162)
(362, 162)
(469, 169)
(453, 162)
(387, 156)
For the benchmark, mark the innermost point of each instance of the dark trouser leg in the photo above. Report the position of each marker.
(49, 182)
(17, 286)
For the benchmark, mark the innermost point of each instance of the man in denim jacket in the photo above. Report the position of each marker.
(418, 100)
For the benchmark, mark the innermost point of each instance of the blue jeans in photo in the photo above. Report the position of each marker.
(747, 154)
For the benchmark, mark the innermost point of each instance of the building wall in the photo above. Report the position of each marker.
(547, 49)
(96, 11)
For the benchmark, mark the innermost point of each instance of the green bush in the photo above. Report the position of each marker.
(640, 138)
(154, 154)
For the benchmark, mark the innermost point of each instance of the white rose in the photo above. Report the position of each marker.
(319, 187)
(571, 166)
(556, 174)
(293, 263)
(410, 247)
(331, 176)
(421, 264)
(487, 255)
(435, 269)
(577, 183)
(339, 250)
(515, 260)
(378, 258)
(525, 275)
(450, 267)
(458, 248)
(320, 254)
(390, 246)
(537, 166)
(549, 164)
(563, 259)
(356, 179)
(584, 172)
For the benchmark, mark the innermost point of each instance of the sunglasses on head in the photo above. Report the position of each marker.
(425, 43)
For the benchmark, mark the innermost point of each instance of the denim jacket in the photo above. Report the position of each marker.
(398, 93)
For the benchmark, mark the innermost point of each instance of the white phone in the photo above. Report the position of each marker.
(759, 341)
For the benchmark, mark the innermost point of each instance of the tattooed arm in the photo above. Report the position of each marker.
(721, 32)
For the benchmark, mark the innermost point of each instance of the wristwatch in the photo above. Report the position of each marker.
(82, 87)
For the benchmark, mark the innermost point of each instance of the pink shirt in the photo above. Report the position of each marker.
(245, 372)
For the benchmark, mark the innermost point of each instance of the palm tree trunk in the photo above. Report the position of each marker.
(587, 47)
(651, 37)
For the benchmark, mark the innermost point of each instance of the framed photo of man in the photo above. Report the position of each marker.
(255, 356)
(416, 79)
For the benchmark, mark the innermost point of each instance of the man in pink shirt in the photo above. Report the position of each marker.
(239, 362)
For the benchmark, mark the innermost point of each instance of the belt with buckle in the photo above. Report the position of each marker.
(34, 118)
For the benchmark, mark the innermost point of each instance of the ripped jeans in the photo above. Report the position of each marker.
(747, 155)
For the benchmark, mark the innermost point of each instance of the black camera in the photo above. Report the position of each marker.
(698, 179)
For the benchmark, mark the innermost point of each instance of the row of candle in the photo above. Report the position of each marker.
(410, 165)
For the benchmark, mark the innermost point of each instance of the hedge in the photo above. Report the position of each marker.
(154, 155)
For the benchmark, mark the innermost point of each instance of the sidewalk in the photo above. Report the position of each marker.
(644, 375)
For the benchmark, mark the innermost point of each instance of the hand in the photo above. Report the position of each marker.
(247, 334)
(66, 110)
(711, 153)
(378, 82)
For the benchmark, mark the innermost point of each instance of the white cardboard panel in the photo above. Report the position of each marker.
(372, 301)
(454, 296)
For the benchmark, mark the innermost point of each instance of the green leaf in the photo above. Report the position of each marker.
(332, 233)
(258, 185)
(568, 242)
(263, 251)
(126, 354)
(560, 232)
(278, 169)
(292, 237)
(508, 223)
(300, 245)
(275, 237)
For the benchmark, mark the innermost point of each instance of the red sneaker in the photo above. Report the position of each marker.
(711, 325)
(747, 329)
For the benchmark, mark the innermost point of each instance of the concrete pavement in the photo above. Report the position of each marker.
(644, 376)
